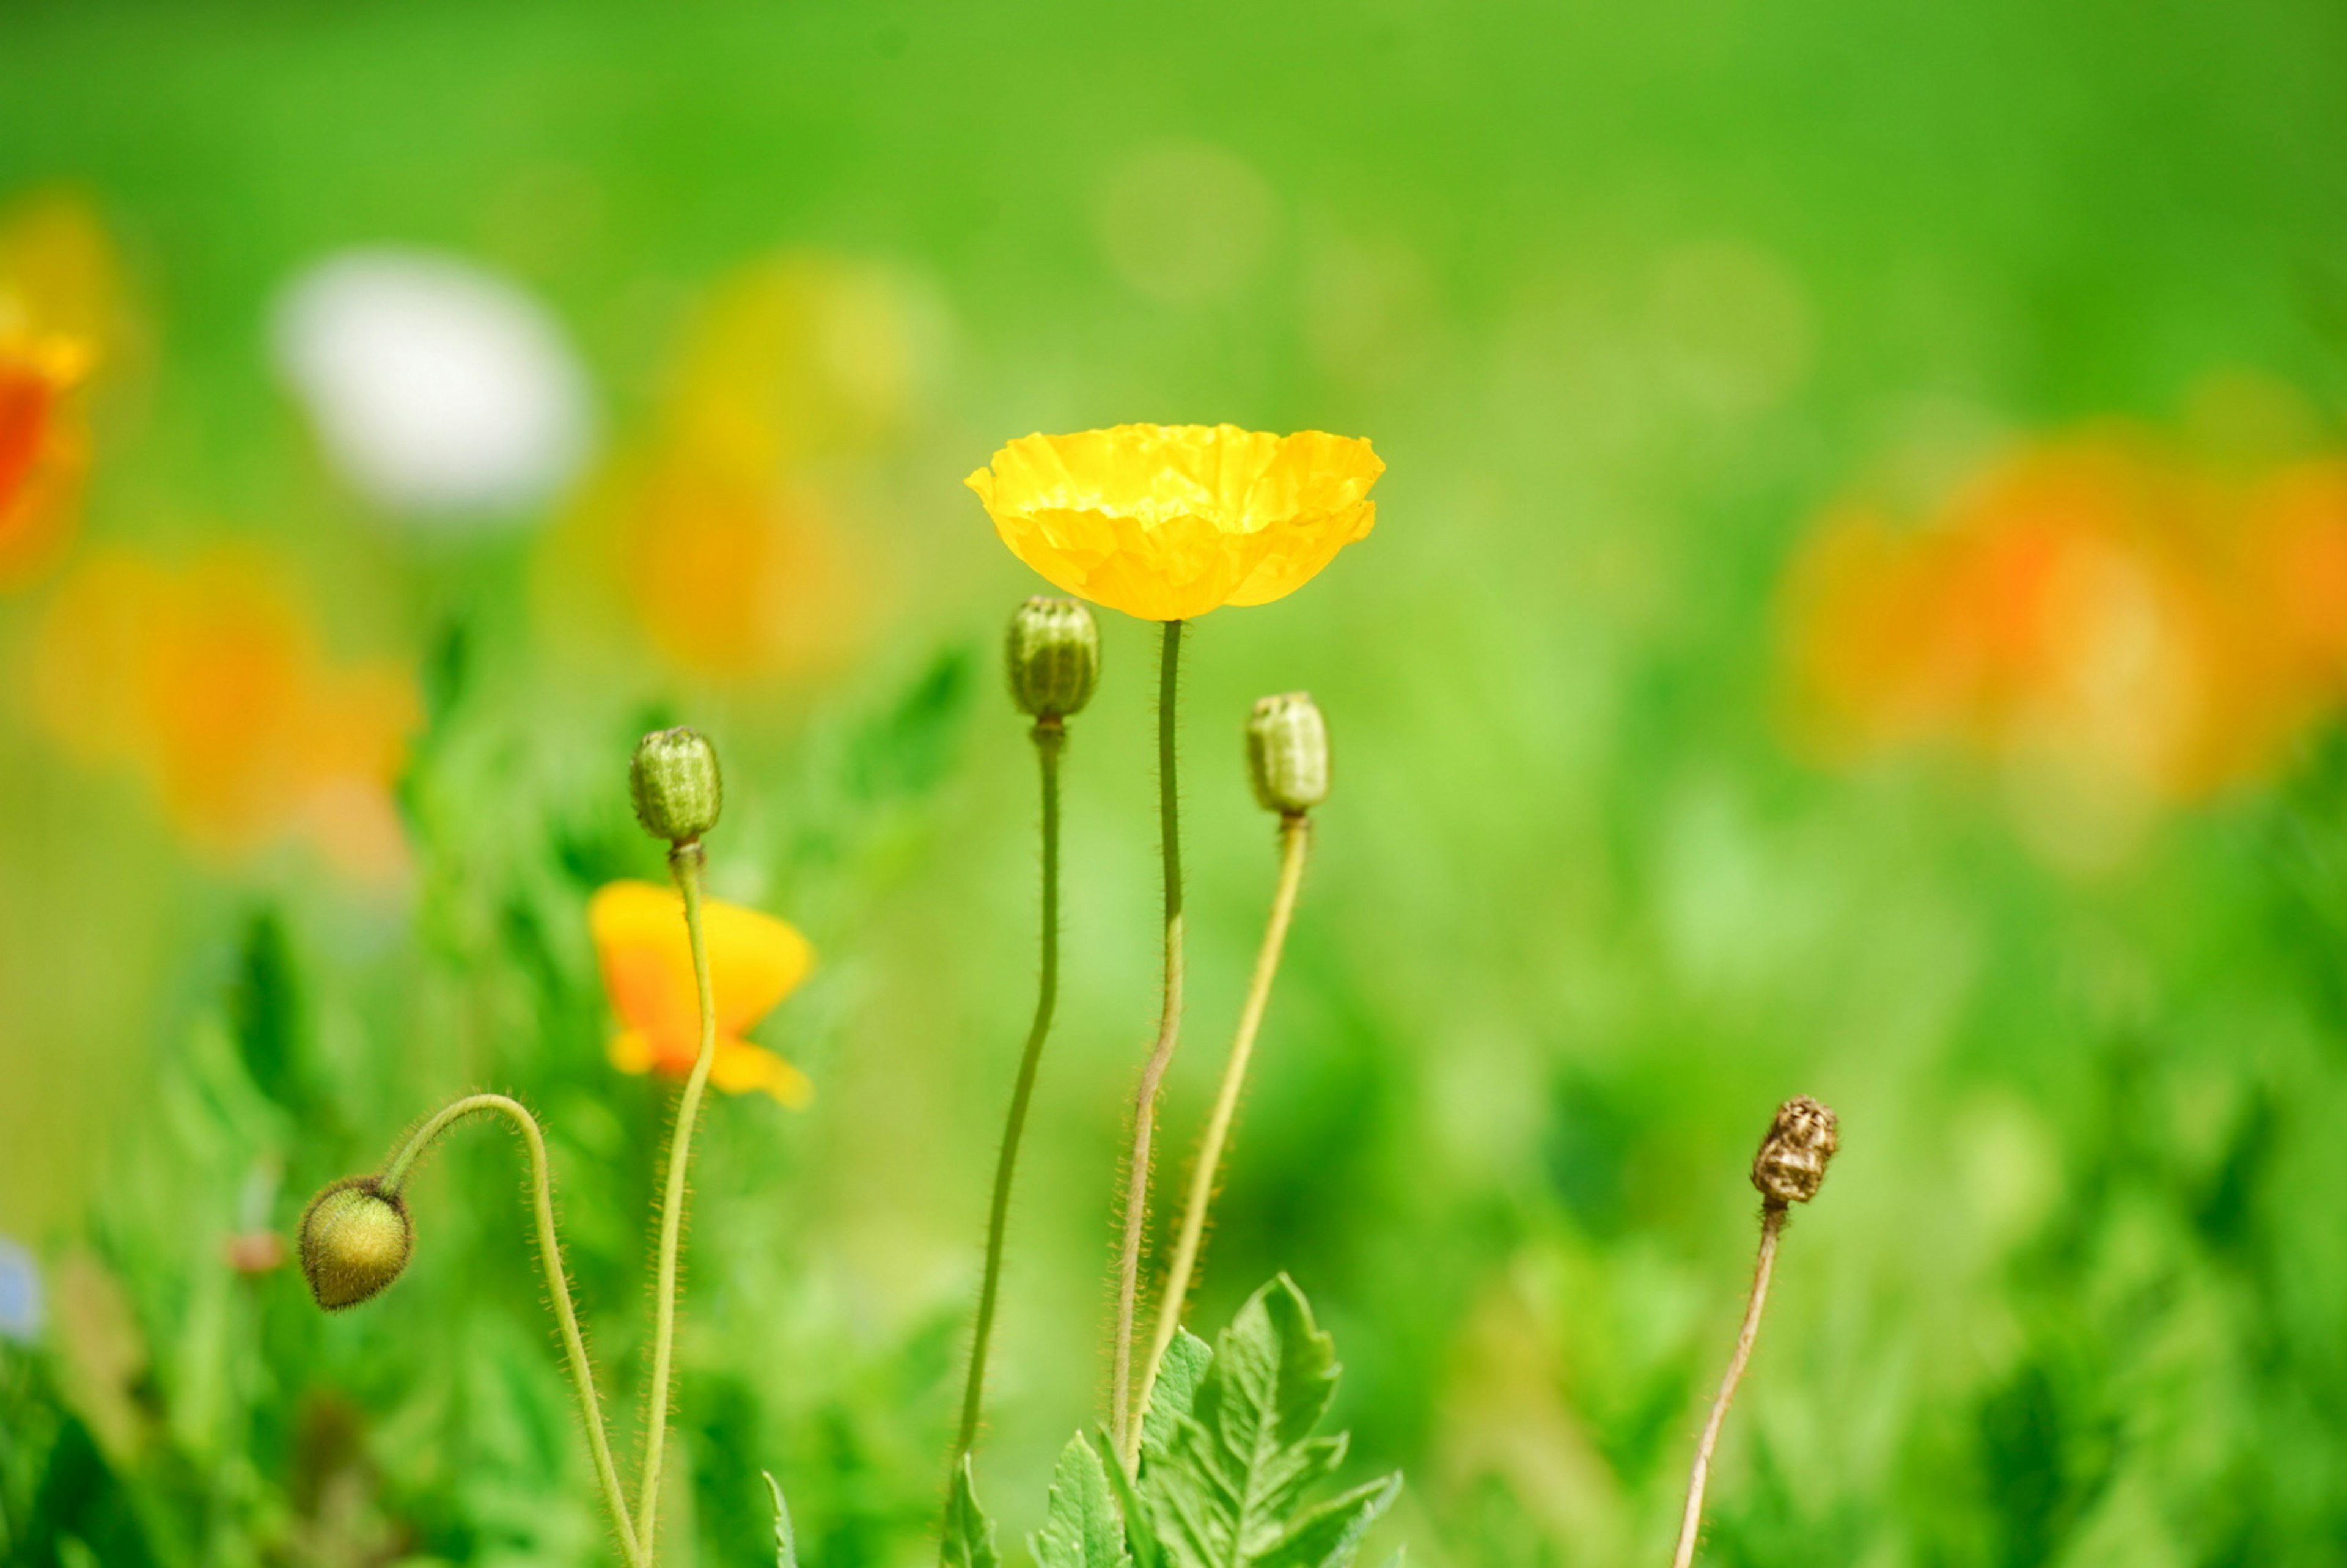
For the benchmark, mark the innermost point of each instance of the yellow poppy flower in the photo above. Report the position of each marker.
(1167, 521)
(754, 961)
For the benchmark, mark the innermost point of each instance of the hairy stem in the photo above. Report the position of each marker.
(685, 862)
(1124, 1423)
(1294, 838)
(1050, 738)
(558, 1280)
(1772, 1226)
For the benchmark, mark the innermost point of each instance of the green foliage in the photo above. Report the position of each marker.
(1081, 1526)
(786, 1547)
(1228, 1463)
(1187, 1360)
(968, 1532)
(1229, 1487)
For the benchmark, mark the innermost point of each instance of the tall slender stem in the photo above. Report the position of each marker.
(1772, 1224)
(1123, 1426)
(685, 862)
(558, 1281)
(1294, 838)
(1050, 738)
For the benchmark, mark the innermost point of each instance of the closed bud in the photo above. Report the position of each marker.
(1053, 656)
(1288, 753)
(1791, 1164)
(676, 785)
(355, 1240)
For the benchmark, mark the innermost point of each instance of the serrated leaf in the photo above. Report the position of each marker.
(1082, 1528)
(1187, 1360)
(969, 1534)
(787, 1546)
(1140, 1521)
(1329, 1535)
(1226, 1489)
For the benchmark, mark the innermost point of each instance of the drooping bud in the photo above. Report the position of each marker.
(1791, 1164)
(355, 1240)
(1052, 655)
(1288, 753)
(677, 788)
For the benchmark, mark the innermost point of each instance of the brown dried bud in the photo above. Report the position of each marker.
(1791, 1164)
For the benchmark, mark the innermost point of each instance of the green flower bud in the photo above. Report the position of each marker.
(676, 785)
(1053, 656)
(355, 1240)
(1791, 1164)
(1288, 753)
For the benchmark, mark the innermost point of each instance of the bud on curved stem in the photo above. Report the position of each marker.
(355, 1239)
(1788, 1169)
(348, 1224)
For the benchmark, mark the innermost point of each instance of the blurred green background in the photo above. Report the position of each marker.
(1629, 299)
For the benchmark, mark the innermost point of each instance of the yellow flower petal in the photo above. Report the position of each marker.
(1167, 522)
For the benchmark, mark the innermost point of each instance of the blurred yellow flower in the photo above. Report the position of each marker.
(754, 961)
(1166, 522)
(210, 683)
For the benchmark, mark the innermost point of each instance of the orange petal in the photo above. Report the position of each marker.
(754, 961)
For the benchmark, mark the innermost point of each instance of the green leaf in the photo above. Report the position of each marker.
(1186, 1359)
(786, 1547)
(1329, 1535)
(969, 1534)
(1140, 1521)
(1081, 1526)
(1227, 1488)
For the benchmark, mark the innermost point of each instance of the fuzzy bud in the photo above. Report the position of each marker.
(676, 785)
(1791, 1164)
(1288, 753)
(356, 1239)
(1052, 654)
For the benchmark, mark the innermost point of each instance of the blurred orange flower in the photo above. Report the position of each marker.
(61, 316)
(209, 681)
(2095, 601)
(44, 444)
(1166, 522)
(754, 961)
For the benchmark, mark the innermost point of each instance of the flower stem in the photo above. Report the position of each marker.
(685, 863)
(1295, 836)
(1050, 739)
(1124, 1423)
(558, 1280)
(1772, 1226)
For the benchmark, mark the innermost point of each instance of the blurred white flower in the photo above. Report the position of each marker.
(438, 389)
